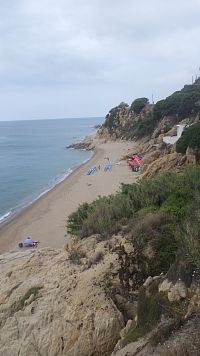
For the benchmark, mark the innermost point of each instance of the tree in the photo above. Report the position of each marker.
(138, 104)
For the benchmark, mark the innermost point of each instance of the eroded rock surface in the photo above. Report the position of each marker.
(51, 306)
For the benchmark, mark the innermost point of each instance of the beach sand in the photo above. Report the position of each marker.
(45, 219)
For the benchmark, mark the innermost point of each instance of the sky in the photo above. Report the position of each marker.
(80, 58)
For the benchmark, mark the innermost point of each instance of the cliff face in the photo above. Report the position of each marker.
(148, 124)
(51, 306)
(122, 121)
(141, 119)
(88, 299)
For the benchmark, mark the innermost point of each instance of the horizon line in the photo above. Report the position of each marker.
(55, 118)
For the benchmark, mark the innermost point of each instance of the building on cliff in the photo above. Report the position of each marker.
(173, 139)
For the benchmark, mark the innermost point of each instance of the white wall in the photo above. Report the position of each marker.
(172, 139)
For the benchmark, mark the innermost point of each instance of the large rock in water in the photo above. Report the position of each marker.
(50, 306)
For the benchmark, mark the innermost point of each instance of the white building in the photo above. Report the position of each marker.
(172, 139)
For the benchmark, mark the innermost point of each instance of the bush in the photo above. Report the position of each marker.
(180, 104)
(75, 251)
(76, 219)
(190, 138)
(174, 205)
(133, 334)
(165, 247)
(151, 307)
(104, 216)
(157, 232)
(33, 290)
(145, 126)
(138, 104)
(172, 193)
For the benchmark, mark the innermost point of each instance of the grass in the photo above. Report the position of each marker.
(33, 290)
(134, 334)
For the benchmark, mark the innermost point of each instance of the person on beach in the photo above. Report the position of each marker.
(28, 242)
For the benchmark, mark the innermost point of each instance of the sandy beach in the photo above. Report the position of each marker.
(45, 219)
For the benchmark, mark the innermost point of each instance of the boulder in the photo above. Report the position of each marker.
(177, 292)
(148, 281)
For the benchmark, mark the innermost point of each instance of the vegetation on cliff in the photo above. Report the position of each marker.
(190, 138)
(140, 119)
(180, 104)
(139, 104)
(171, 194)
(159, 220)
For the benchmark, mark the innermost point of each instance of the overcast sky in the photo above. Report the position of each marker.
(74, 58)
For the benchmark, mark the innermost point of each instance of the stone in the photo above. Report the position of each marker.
(177, 292)
(125, 330)
(165, 286)
(148, 281)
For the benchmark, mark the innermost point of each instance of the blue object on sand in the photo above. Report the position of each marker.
(107, 166)
(28, 242)
(92, 169)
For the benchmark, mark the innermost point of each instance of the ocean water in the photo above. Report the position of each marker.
(34, 158)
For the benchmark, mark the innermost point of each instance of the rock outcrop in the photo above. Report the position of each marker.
(52, 306)
(122, 122)
(88, 299)
(87, 144)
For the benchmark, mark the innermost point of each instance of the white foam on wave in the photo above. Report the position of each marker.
(52, 183)
(58, 179)
(5, 216)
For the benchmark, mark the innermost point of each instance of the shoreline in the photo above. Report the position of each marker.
(9, 216)
(45, 219)
(12, 219)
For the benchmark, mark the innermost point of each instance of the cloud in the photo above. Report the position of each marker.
(94, 52)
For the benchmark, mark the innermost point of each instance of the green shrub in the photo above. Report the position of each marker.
(172, 193)
(165, 247)
(180, 104)
(174, 205)
(155, 237)
(107, 217)
(190, 138)
(151, 307)
(33, 290)
(134, 334)
(138, 104)
(145, 126)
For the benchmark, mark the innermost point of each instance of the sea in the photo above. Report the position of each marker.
(34, 158)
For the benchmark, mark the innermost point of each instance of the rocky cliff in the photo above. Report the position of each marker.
(122, 122)
(148, 124)
(140, 119)
(83, 300)
(53, 303)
